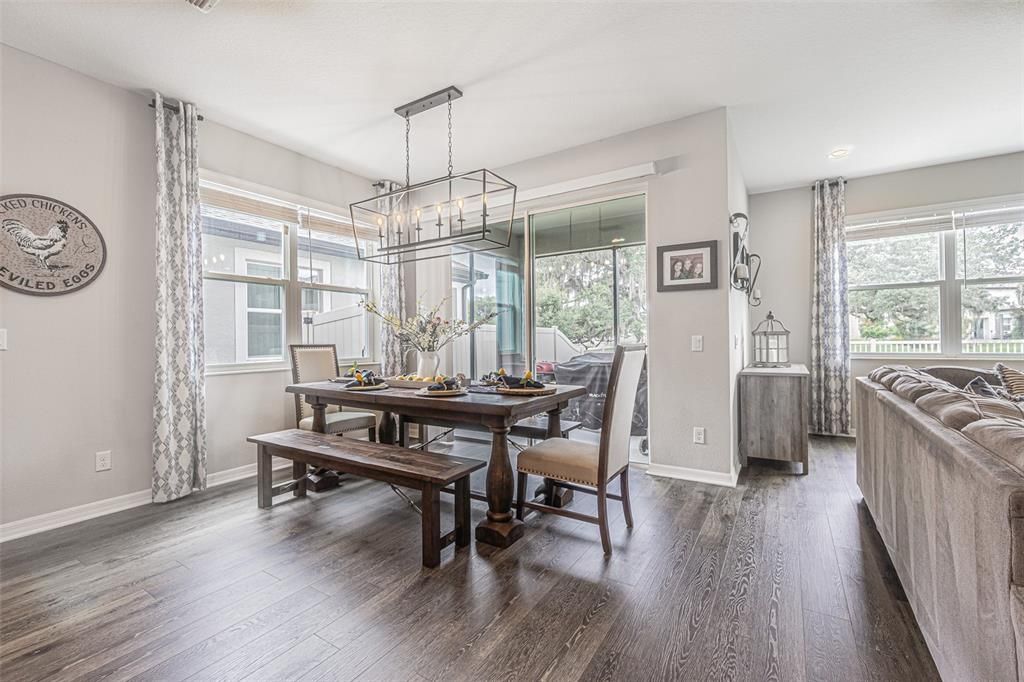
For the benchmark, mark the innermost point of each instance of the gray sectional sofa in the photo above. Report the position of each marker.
(942, 473)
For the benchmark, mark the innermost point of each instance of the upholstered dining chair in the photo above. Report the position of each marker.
(319, 362)
(589, 467)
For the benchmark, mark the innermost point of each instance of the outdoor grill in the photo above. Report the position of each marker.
(593, 371)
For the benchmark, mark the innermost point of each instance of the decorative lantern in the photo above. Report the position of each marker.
(771, 343)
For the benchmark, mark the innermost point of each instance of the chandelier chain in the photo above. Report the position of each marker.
(408, 127)
(451, 166)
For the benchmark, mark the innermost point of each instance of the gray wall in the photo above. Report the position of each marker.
(78, 377)
(687, 200)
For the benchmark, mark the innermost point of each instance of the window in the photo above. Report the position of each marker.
(946, 280)
(264, 313)
(263, 258)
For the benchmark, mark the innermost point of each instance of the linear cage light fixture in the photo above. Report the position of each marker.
(452, 214)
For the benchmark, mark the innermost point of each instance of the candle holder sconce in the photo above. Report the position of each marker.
(745, 265)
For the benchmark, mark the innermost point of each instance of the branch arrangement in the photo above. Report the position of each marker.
(427, 331)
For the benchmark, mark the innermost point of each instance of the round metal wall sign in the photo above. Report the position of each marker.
(47, 247)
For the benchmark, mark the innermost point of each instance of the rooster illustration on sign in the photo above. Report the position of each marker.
(41, 247)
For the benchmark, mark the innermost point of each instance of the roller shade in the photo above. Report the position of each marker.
(874, 228)
(249, 204)
(1010, 212)
(325, 222)
(966, 215)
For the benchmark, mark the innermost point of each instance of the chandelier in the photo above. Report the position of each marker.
(448, 215)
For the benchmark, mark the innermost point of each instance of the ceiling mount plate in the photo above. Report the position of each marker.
(432, 100)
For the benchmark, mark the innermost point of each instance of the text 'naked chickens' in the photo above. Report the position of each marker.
(47, 247)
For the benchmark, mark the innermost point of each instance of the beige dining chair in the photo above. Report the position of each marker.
(319, 362)
(589, 467)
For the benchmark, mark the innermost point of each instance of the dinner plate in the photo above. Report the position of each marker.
(375, 387)
(442, 394)
(547, 390)
(406, 383)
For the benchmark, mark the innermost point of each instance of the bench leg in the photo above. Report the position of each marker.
(264, 478)
(430, 503)
(462, 512)
(299, 471)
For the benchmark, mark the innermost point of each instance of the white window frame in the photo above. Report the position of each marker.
(894, 224)
(292, 287)
(243, 259)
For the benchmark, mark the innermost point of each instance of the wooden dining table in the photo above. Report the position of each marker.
(493, 411)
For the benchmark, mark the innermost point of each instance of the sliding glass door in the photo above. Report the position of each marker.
(484, 283)
(589, 294)
(587, 272)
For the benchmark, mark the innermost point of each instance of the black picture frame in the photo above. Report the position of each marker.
(690, 266)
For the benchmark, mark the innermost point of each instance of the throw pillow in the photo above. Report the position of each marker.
(1006, 395)
(979, 386)
(1013, 380)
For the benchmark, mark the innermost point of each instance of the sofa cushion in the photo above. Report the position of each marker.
(952, 408)
(999, 408)
(878, 372)
(1002, 437)
(961, 376)
(912, 388)
(889, 378)
(957, 409)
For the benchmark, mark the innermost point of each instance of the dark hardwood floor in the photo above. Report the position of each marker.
(781, 578)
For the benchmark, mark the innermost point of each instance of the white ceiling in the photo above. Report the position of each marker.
(905, 85)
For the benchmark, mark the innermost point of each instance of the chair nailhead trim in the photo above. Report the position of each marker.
(569, 480)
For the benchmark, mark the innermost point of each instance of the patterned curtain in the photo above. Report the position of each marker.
(830, 326)
(179, 406)
(392, 297)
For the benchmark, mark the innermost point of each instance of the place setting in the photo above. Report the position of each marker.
(360, 380)
(504, 384)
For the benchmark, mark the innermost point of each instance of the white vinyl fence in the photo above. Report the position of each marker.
(934, 347)
(552, 346)
(344, 327)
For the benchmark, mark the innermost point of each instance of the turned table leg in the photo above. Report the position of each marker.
(321, 479)
(553, 495)
(499, 528)
(319, 416)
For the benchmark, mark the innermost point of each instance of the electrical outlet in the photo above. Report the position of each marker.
(3, 339)
(698, 435)
(103, 460)
(697, 343)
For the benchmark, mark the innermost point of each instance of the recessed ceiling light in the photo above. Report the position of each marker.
(839, 153)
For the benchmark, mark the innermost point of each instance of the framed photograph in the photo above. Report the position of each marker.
(682, 267)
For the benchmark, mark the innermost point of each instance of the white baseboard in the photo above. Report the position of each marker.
(66, 517)
(721, 478)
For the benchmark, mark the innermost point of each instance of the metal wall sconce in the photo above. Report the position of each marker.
(746, 266)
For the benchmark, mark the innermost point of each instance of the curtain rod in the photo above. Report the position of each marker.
(812, 186)
(172, 107)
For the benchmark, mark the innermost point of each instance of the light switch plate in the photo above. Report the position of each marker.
(697, 343)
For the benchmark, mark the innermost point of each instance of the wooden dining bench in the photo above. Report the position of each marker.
(424, 471)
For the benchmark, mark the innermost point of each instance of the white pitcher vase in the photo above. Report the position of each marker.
(427, 363)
